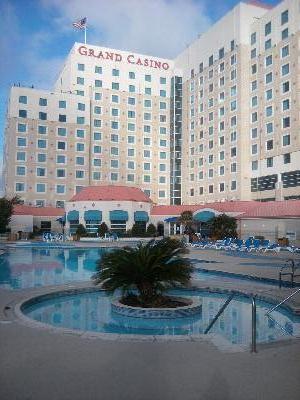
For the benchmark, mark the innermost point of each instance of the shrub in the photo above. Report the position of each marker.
(151, 230)
(223, 226)
(80, 231)
(102, 229)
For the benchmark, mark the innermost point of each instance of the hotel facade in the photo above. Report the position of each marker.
(219, 122)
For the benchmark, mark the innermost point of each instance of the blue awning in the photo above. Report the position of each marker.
(171, 219)
(141, 216)
(118, 215)
(93, 215)
(73, 215)
(203, 216)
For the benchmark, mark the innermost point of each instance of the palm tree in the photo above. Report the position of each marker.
(186, 219)
(223, 226)
(149, 268)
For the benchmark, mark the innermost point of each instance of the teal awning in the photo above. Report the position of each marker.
(93, 215)
(118, 215)
(203, 216)
(73, 215)
(141, 216)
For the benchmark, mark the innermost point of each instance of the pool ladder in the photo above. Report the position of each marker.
(253, 325)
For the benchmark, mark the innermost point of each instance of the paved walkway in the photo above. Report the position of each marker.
(38, 364)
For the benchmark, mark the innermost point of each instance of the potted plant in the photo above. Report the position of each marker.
(80, 231)
(145, 272)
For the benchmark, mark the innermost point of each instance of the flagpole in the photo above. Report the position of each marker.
(85, 34)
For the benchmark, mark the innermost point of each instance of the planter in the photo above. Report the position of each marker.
(188, 310)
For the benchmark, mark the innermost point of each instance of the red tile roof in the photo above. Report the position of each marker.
(110, 193)
(274, 209)
(229, 206)
(247, 209)
(38, 211)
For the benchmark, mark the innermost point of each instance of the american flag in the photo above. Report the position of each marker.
(80, 24)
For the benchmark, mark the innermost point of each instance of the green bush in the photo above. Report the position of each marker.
(81, 231)
(102, 229)
(151, 230)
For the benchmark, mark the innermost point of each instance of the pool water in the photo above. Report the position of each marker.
(29, 267)
(92, 312)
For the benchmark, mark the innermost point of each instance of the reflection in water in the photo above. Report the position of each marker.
(32, 267)
(92, 312)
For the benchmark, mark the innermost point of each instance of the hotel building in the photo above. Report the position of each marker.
(219, 122)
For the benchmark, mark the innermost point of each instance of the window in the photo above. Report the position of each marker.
(80, 67)
(148, 90)
(20, 170)
(147, 116)
(232, 44)
(131, 139)
(147, 141)
(131, 75)
(114, 163)
(131, 88)
(254, 68)
(42, 102)
(287, 158)
(60, 159)
(81, 106)
(21, 156)
(148, 78)
(221, 53)
(233, 167)
(42, 144)
(253, 85)
(286, 140)
(268, 28)
(80, 92)
(97, 162)
(97, 149)
(268, 44)
(285, 34)
(269, 145)
(61, 173)
(80, 133)
(40, 187)
(61, 145)
(115, 72)
(269, 60)
(23, 113)
(254, 149)
(162, 167)
(253, 38)
(114, 98)
(79, 160)
(285, 104)
(22, 128)
(96, 176)
(254, 133)
(162, 80)
(79, 146)
(285, 87)
(40, 171)
(131, 127)
(80, 80)
(162, 93)
(98, 83)
(114, 151)
(147, 153)
(62, 104)
(254, 101)
(285, 51)
(233, 185)
(269, 111)
(130, 165)
(60, 189)
(62, 118)
(115, 85)
(253, 53)
(41, 157)
(285, 69)
(131, 101)
(233, 152)
(98, 70)
(284, 17)
(97, 110)
(210, 61)
(130, 152)
(269, 127)
(286, 122)
(254, 165)
(20, 187)
(210, 189)
(269, 78)
(98, 96)
(23, 99)
(114, 138)
(269, 94)
(81, 121)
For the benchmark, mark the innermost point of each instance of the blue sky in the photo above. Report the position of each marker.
(36, 35)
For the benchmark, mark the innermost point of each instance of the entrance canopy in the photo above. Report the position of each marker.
(171, 219)
(204, 216)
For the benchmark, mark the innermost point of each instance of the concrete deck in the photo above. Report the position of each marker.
(39, 364)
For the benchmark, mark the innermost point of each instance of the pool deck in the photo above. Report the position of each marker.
(46, 364)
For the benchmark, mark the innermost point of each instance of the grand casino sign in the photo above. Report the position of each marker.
(117, 57)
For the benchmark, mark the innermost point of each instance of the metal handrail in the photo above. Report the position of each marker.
(282, 302)
(253, 325)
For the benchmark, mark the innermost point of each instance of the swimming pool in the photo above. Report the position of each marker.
(91, 311)
(29, 267)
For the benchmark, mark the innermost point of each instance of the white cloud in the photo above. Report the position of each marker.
(156, 27)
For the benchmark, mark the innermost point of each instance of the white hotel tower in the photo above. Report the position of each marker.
(219, 122)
